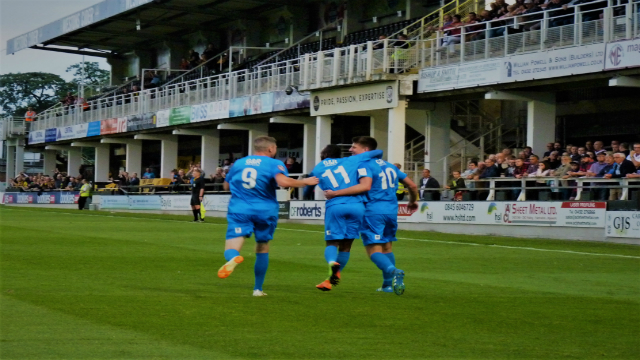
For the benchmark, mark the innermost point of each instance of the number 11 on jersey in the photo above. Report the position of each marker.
(340, 170)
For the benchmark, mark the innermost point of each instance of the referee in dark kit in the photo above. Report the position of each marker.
(197, 194)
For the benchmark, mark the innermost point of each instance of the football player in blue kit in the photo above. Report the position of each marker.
(343, 215)
(381, 213)
(253, 208)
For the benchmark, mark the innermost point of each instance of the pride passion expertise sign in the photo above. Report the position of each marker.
(383, 95)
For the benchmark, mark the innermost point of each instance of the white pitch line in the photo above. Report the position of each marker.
(410, 239)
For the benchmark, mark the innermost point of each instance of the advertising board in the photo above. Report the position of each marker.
(382, 95)
(65, 133)
(50, 135)
(622, 54)
(180, 115)
(109, 126)
(623, 224)
(94, 128)
(37, 137)
(66, 197)
(162, 118)
(306, 210)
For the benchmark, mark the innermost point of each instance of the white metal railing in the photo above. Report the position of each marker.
(363, 62)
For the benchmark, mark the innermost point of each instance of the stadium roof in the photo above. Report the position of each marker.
(111, 27)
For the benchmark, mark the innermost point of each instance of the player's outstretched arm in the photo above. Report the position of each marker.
(285, 181)
(413, 193)
(368, 155)
(363, 186)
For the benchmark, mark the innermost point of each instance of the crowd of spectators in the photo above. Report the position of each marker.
(502, 18)
(40, 182)
(557, 168)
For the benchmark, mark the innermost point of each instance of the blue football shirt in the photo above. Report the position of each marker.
(338, 174)
(381, 199)
(253, 185)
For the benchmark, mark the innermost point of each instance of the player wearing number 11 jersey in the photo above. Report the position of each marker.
(343, 215)
(253, 208)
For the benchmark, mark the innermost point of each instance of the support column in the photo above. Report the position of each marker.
(19, 159)
(541, 115)
(74, 160)
(49, 161)
(101, 161)
(396, 132)
(541, 123)
(255, 130)
(133, 161)
(309, 138)
(437, 142)
(168, 152)
(11, 162)
(210, 147)
(379, 129)
(323, 138)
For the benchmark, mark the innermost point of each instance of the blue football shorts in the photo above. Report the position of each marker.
(343, 221)
(246, 224)
(379, 229)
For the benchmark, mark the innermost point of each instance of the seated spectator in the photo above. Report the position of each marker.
(575, 156)
(427, 182)
(615, 146)
(452, 34)
(134, 180)
(148, 174)
(380, 43)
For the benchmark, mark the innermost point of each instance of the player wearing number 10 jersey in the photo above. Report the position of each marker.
(343, 215)
(381, 215)
(253, 208)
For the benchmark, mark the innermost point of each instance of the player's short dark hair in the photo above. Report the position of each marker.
(331, 152)
(366, 142)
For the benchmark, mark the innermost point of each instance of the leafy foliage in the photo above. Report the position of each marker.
(92, 74)
(36, 89)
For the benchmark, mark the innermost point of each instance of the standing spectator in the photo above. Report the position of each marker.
(598, 147)
(615, 146)
(624, 148)
(533, 164)
(595, 167)
(634, 155)
(209, 52)
(427, 182)
(218, 179)
(589, 146)
(194, 58)
(561, 172)
(184, 64)
(85, 194)
(553, 161)
(548, 152)
(558, 147)
(30, 115)
(598, 170)
(455, 185)
(59, 181)
(620, 169)
(148, 174)
(293, 166)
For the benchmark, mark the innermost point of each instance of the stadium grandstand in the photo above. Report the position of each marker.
(473, 90)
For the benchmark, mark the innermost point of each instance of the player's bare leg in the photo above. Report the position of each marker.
(232, 249)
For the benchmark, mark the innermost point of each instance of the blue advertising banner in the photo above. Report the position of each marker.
(86, 17)
(240, 106)
(50, 135)
(282, 101)
(66, 197)
(36, 137)
(94, 128)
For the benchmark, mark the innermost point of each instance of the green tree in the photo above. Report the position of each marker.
(92, 74)
(35, 89)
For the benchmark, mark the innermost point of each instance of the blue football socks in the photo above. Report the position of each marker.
(383, 263)
(230, 254)
(260, 269)
(387, 278)
(343, 259)
(331, 254)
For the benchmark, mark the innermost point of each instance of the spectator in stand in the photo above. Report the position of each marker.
(194, 58)
(553, 162)
(209, 52)
(624, 148)
(59, 181)
(575, 156)
(154, 82)
(148, 174)
(456, 184)
(123, 178)
(226, 164)
(427, 182)
(569, 151)
(558, 147)
(589, 146)
(573, 172)
(620, 169)
(597, 170)
(634, 155)
(380, 43)
(30, 115)
(582, 151)
(598, 147)
(68, 101)
(470, 173)
(546, 154)
(507, 152)
(501, 163)
(452, 34)
(184, 64)
(533, 164)
(615, 146)
(176, 180)
(490, 171)
(511, 167)
(293, 167)
(542, 172)
(560, 12)
(72, 184)
(218, 179)
(133, 180)
(561, 172)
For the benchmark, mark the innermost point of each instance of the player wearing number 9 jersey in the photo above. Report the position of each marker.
(253, 208)
(381, 215)
(343, 215)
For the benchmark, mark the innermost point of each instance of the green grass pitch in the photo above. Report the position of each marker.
(97, 285)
